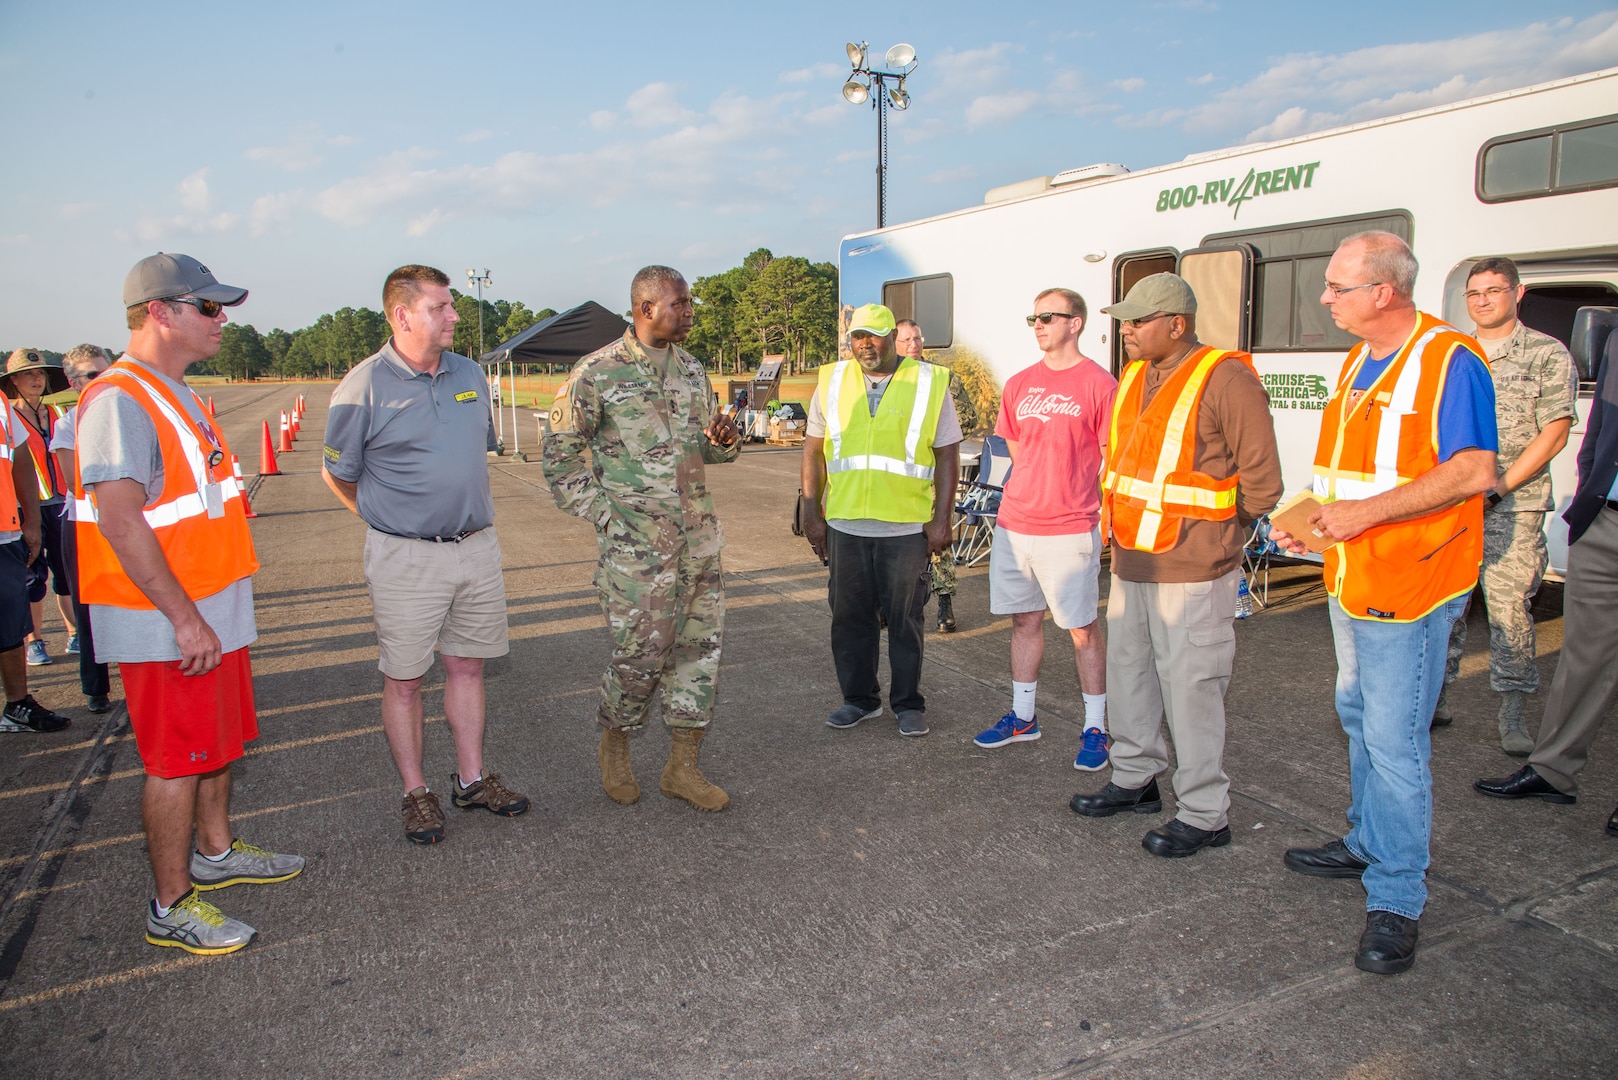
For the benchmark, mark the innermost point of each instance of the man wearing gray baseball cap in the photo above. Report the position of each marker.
(165, 564)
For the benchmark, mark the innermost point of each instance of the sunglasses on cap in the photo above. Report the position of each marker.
(209, 308)
(1045, 317)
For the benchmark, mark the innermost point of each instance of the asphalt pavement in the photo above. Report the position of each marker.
(869, 906)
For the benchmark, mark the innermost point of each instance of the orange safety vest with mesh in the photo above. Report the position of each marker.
(10, 516)
(206, 551)
(1400, 571)
(44, 464)
(1150, 485)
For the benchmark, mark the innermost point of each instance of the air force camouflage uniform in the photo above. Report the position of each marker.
(643, 487)
(1534, 385)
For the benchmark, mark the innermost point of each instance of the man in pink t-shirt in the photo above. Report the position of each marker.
(1047, 542)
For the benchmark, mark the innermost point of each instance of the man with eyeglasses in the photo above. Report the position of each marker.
(82, 364)
(1047, 538)
(1535, 387)
(1191, 464)
(880, 463)
(166, 563)
(1406, 451)
(909, 342)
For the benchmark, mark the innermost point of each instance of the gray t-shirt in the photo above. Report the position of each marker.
(948, 434)
(116, 440)
(415, 444)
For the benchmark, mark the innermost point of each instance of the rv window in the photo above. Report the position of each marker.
(1550, 308)
(1128, 269)
(1219, 280)
(1572, 157)
(930, 301)
(1289, 270)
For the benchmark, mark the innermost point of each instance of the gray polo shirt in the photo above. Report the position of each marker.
(414, 443)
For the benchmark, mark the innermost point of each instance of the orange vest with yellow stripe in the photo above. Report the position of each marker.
(44, 464)
(1150, 485)
(1386, 437)
(207, 548)
(10, 517)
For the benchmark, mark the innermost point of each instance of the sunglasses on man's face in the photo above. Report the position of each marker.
(1045, 317)
(83, 376)
(209, 308)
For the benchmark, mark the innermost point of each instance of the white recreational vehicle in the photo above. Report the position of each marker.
(1531, 173)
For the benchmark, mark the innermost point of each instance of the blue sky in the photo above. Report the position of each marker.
(303, 150)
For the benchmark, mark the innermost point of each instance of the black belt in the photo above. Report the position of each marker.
(456, 539)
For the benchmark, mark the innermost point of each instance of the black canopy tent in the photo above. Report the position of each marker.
(560, 339)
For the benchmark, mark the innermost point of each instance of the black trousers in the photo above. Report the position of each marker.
(93, 677)
(868, 575)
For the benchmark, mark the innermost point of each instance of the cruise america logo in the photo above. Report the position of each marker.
(1232, 194)
(1037, 405)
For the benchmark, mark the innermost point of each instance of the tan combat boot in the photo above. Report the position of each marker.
(1514, 737)
(617, 776)
(681, 777)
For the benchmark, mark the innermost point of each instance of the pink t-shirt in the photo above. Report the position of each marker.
(1059, 421)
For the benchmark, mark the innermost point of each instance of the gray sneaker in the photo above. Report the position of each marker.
(197, 926)
(850, 715)
(244, 864)
(912, 722)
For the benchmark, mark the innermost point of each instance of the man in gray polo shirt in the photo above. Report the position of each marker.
(406, 441)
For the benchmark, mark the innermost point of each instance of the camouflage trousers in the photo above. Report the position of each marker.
(943, 570)
(1514, 560)
(666, 612)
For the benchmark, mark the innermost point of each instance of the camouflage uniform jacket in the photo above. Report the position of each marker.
(644, 431)
(1534, 385)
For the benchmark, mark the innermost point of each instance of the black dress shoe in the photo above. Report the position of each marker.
(1112, 798)
(1176, 840)
(1388, 945)
(1333, 860)
(1525, 783)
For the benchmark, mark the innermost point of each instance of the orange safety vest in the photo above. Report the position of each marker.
(1400, 571)
(10, 516)
(1150, 484)
(44, 464)
(206, 553)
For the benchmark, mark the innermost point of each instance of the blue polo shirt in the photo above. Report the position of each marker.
(1465, 408)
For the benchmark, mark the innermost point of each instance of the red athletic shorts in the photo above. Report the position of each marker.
(186, 725)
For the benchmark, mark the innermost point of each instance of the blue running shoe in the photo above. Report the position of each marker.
(1008, 730)
(1093, 752)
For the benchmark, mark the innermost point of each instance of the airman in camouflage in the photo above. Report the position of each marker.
(643, 409)
(1535, 389)
(908, 341)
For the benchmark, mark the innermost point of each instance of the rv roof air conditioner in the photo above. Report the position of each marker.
(1081, 175)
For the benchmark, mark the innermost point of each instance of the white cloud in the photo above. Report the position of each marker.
(950, 176)
(194, 192)
(655, 105)
(301, 150)
(993, 109)
(475, 136)
(603, 120)
(1202, 80)
(271, 211)
(1128, 85)
(816, 73)
(199, 218)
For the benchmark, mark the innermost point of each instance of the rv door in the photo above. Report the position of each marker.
(1222, 278)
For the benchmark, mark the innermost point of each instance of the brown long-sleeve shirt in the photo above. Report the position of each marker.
(1235, 434)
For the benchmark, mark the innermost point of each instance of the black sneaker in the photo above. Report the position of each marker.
(99, 704)
(30, 715)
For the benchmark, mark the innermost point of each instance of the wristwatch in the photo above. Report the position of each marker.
(1494, 498)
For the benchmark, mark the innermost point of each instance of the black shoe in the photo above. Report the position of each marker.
(946, 613)
(30, 715)
(1525, 783)
(1112, 798)
(1333, 860)
(99, 704)
(1388, 945)
(1176, 840)
(1612, 824)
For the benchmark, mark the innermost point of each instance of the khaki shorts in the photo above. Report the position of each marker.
(1032, 573)
(425, 594)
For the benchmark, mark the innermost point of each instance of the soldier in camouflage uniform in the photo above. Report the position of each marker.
(1535, 388)
(941, 570)
(643, 408)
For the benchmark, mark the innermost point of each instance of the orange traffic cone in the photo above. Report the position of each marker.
(295, 425)
(236, 467)
(211, 410)
(266, 460)
(286, 435)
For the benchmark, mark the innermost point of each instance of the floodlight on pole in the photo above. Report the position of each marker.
(869, 84)
(475, 280)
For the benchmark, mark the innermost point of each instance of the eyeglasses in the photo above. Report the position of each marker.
(1045, 317)
(1149, 318)
(83, 376)
(210, 308)
(1339, 290)
(1492, 293)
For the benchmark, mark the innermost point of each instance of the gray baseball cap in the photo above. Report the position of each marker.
(1167, 293)
(160, 276)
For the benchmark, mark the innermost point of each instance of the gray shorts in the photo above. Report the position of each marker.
(425, 594)
(1032, 573)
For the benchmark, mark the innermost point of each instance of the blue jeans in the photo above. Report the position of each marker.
(1388, 679)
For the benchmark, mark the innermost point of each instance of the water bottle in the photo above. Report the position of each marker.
(1244, 597)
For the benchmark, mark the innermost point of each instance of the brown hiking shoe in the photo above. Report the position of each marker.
(681, 777)
(489, 794)
(423, 818)
(617, 775)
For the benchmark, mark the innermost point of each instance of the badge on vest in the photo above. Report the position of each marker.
(213, 497)
(467, 395)
(1375, 614)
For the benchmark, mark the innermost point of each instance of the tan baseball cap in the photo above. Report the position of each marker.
(163, 276)
(1167, 293)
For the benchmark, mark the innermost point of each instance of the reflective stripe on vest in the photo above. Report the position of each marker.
(37, 447)
(836, 463)
(1159, 499)
(881, 466)
(1336, 482)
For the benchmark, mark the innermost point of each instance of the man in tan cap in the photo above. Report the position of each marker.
(1178, 494)
(880, 462)
(27, 379)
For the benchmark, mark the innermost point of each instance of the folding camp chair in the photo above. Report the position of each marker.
(977, 504)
